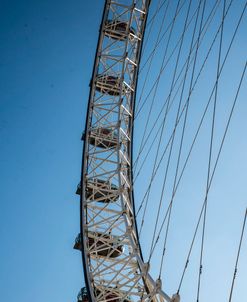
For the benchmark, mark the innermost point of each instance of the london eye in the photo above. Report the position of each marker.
(114, 217)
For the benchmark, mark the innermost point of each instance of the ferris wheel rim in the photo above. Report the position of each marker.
(148, 279)
(108, 141)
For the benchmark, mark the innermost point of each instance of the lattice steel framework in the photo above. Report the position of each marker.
(113, 265)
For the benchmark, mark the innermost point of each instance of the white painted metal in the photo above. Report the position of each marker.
(113, 265)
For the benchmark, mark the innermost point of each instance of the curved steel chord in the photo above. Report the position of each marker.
(113, 265)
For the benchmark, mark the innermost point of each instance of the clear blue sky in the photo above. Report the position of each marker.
(47, 51)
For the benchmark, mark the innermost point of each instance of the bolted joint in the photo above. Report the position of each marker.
(145, 267)
(158, 284)
(124, 212)
(129, 230)
(136, 250)
(175, 298)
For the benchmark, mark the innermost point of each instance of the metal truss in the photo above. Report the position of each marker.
(113, 265)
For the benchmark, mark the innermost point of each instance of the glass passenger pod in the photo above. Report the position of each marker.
(100, 190)
(105, 245)
(102, 138)
(78, 189)
(110, 294)
(108, 84)
(82, 296)
(118, 30)
(106, 294)
(78, 243)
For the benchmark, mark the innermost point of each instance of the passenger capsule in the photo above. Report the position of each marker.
(78, 189)
(118, 30)
(78, 243)
(111, 294)
(82, 296)
(100, 190)
(108, 84)
(102, 138)
(105, 245)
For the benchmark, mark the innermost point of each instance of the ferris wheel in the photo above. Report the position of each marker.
(114, 267)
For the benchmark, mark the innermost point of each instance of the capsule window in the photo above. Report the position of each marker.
(105, 245)
(108, 84)
(82, 296)
(103, 138)
(118, 30)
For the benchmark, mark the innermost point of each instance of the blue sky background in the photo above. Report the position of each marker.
(227, 197)
(47, 51)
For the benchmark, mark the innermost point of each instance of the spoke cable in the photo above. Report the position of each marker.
(164, 119)
(212, 175)
(166, 63)
(210, 155)
(172, 142)
(146, 78)
(238, 254)
(203, 116)
(206, 25)
(183, 132)
(200, 124)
